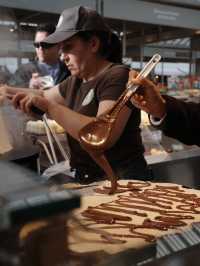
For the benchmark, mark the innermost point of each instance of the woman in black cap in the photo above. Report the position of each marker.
(92, 53)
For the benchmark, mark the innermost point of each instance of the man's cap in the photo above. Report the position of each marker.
(73, 20)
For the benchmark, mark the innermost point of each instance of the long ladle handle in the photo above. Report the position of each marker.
(131, 88)
(145, 71)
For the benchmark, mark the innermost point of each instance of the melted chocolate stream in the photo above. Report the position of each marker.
(98, 136)
(137, 200)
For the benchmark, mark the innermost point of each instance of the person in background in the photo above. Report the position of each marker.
(93, 55)
(47, 69)
(4, 74)
(177, 119)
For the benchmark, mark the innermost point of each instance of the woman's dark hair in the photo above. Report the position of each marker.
(110, 47)
(49, 28)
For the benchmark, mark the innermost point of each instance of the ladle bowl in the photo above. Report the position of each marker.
(99, 135)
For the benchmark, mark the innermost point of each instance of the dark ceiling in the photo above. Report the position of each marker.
(136, 34)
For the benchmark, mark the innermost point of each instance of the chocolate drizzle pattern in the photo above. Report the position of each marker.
(171, 206)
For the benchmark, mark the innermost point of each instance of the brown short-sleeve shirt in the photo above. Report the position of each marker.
(84, 98)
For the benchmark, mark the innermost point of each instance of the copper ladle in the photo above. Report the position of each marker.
(99, 135)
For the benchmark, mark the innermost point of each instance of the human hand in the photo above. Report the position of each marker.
(25, 102)
(5, 92)
(35, 82)
(148, 97)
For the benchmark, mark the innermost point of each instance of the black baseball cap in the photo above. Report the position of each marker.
(74, 20)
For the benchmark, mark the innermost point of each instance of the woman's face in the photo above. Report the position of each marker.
(78, 56)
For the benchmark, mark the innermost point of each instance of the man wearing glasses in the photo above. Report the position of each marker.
(47, 69)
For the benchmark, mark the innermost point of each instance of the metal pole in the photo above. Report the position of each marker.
(97, 5)
(102, 8)
(124, 39)
(190, 63)
(142, 49)
(162, 71)
(19, 61)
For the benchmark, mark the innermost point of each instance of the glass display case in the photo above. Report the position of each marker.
(170, 160)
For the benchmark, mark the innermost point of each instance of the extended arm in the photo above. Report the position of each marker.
(72, 122)
(181, 120)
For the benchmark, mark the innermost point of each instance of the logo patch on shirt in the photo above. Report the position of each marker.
(88, 98)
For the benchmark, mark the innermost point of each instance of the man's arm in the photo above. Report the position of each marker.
(182, 121)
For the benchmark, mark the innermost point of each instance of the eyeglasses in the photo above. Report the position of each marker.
(43, 45)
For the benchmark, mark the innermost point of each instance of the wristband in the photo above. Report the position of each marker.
(156, 121)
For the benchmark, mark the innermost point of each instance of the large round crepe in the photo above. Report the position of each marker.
(95, 236)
